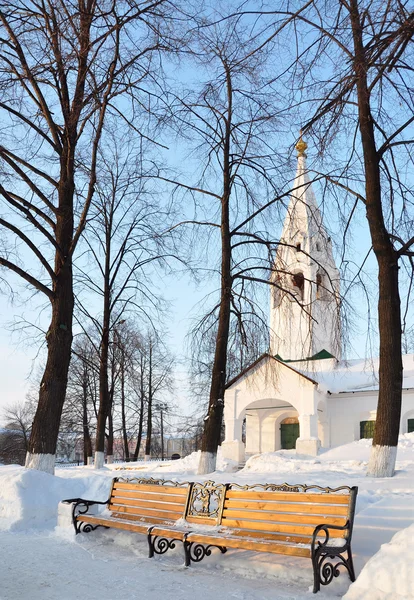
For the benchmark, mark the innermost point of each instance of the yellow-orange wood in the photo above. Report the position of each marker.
(147, 512)
(178, 508)
(149, 521)
(245, 544)
(266, 535)
(175, 534)
(162, 489)
(116, 523)
(277, 527)
(141, 495)
(282, 517)
(320, 509)
(202, 520)
(290, 497)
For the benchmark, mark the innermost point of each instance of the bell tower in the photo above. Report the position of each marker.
(304, 304)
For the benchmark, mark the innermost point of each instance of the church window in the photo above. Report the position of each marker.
(321, 291)
(318, 247)
(366, 429)
(410, 425)
(298, 282)
(298, 247)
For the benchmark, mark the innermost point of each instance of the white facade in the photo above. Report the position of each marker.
(301, 393)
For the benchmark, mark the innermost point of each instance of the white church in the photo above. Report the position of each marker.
(301, 394)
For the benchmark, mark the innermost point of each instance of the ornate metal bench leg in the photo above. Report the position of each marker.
(316, 580)
(350, 562)
(187, 557)
(150, 543)
(158, 545)
(195, 552)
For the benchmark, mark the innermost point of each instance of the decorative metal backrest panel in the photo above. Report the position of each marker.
(287, 487)
(151, 481)
(206, 500)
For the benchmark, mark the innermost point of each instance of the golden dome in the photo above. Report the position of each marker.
(301, 146)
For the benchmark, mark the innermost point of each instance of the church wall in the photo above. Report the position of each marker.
(346, 411)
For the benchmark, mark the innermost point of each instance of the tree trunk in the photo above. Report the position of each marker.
(149, 409)
(123, 411)
(87, 442)
(52, 393)
(104, 399)
(384, 450)
(212, 424)
(141, 414)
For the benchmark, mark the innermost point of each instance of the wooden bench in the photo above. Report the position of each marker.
(306, 521)
(137, 505)
(298, 520)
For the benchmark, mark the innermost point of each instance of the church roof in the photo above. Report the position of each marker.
(352, 376)
(266, 356)
(333, 377)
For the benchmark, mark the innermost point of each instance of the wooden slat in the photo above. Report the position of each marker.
(290, 497)
(201, 520)
(178, 508)
(172, 534)
(148, 521)
(117, 524)
(282, 517)
(150, 496)
(321, 509)
(145, 512)
(282, 537)
(164, 489)
(245, 544)
(276, 527)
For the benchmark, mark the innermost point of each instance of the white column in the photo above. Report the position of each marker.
(308, 441)
(253, 433)
(268, 427)
(232, 447)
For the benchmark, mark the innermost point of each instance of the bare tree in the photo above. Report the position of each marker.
(230, 124)
(65, 69)
(81, 405)
(370, 90)
(122, 246)
(14, 438)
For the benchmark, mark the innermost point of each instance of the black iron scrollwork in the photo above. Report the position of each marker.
(287, 487)
(150, 481)
(324, 570)
(159, 545)
(81, 507)
(195, 552)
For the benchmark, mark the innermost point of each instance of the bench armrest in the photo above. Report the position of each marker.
(325, 529)
(83, 501)
(81, 507)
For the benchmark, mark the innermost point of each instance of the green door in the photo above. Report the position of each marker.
(366, 429)
(410, 425)
(289, 433)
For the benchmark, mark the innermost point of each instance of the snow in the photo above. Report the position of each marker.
(378, 580)
(352, 375)
(110, 564)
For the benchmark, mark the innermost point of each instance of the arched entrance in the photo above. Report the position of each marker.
(289, 433)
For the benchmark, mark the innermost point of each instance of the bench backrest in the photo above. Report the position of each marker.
(259, 511)
(158, 501)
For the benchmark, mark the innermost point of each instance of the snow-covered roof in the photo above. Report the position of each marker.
(357, 375)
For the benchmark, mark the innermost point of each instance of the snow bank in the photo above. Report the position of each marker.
(389, 574)
(29, 498)
(187, 465)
